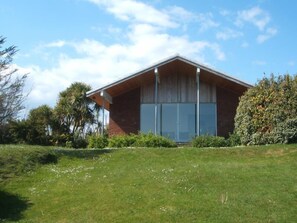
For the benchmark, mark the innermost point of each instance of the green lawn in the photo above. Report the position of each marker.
(248, 184)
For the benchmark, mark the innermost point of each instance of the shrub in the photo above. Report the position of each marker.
(122, 141)
(61, 140)
(259, 138)
(97, 142)
(233, 140)
(141, 140)
(209, 141)
(69, 144)
(151, 140)
(265, 112)
(286, 132)
(79, 143)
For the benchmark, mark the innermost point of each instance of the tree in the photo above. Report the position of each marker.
(97, 123)
(40, 121)
(18, 131)
(267, 112)
(11, 85)
(73, 110)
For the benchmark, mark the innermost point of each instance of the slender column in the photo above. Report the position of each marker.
(103, 108)
(103, 118)
(198, 102)
(156, 100)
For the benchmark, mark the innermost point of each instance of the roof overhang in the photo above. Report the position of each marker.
(177, 63)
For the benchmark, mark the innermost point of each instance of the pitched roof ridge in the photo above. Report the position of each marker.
(166, 61)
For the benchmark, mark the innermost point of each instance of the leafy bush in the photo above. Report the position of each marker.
(97, 142)
(265, 112)
(141, 140)
(151, 140)
(69, 144)
(121, 141)
(233, 140)
(76, 141)
(209, 141)
(79, 143)
(286, 132)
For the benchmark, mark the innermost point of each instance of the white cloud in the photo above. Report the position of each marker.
(134, 11)
(101, 64)
(206, 21)
(59, 43)
(255, 16)
(260, 19)
(180, 14)
(228, 33)
(97, 63)
(269, 33)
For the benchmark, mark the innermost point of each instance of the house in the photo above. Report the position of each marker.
(177, 98)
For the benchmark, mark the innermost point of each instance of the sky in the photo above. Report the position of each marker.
(101, 41)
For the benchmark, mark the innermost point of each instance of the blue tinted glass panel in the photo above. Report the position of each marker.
(147, 118)
(208, 120)
(169, 121)
(187, 122)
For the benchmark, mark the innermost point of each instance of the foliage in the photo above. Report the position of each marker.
(120, 141)
(97, 141)
(69, 144)
(209, 141)
(140, 140)
(73, 117)
(265, 108)
(97, 123)
(11, 85)
(40, 121)
(151, 140)
(36, 129)
(18, 131)
(72, 110)
(233, 140)
(285, 132)
(15, 160)
(250, 184)
(5, 137)
(78, 141)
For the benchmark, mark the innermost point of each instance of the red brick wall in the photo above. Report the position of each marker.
(124, 113)
(227, 102)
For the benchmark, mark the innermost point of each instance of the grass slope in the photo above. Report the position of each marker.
(253, 184)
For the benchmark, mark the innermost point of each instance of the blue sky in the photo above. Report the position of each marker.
(100, 41)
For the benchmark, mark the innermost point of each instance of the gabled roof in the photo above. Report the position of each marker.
(177, 62)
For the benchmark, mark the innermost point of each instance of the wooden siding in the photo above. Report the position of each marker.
(207, 93)
(178, 88)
